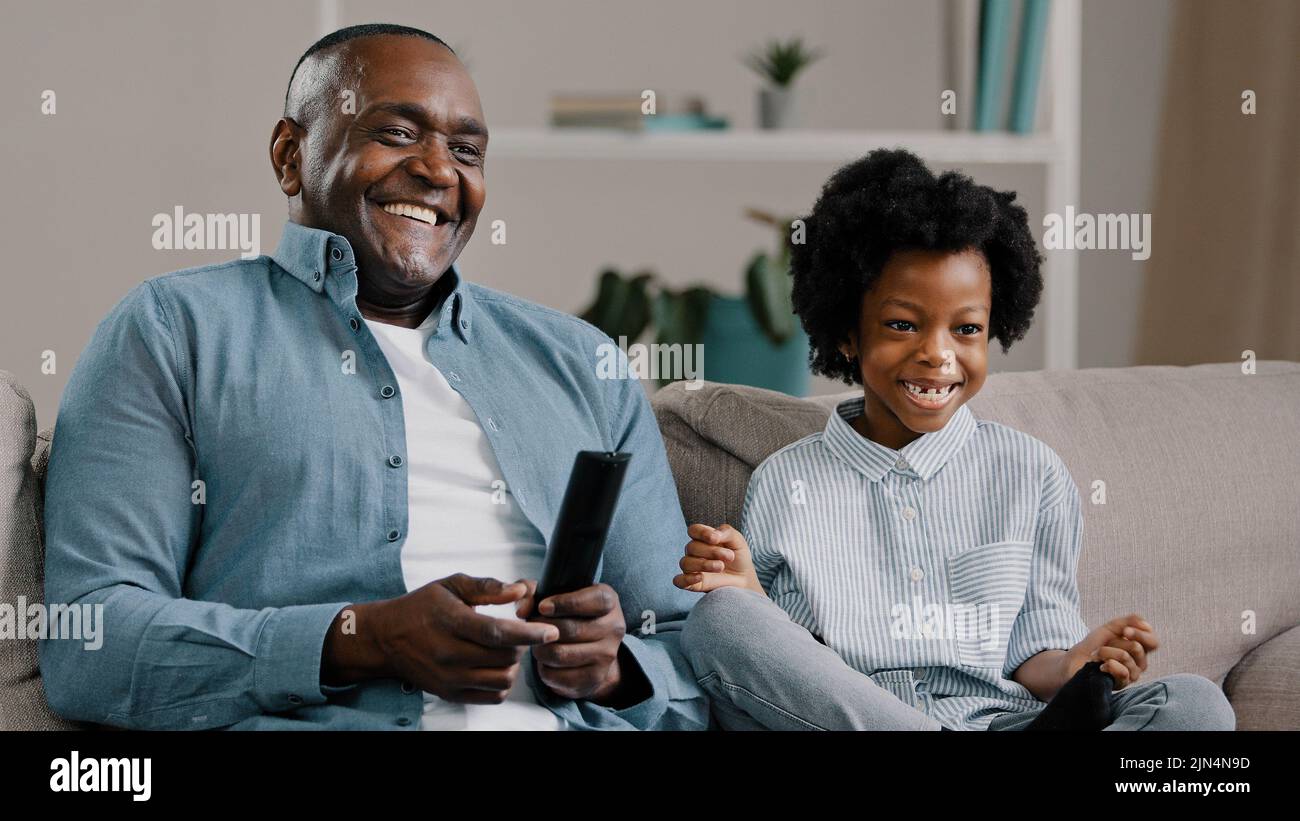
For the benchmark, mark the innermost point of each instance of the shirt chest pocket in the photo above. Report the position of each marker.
(986, 587)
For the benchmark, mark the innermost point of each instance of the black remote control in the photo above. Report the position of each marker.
(585, 515)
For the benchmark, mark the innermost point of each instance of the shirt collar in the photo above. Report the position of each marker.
(324, 262)
(923, 456)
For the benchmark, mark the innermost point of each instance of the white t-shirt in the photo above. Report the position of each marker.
(461, 516)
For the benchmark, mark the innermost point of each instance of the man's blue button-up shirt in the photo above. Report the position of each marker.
(227, 475)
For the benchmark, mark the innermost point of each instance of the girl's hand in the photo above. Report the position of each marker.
(1121, 644)
(716, 557)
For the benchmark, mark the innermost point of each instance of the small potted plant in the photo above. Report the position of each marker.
(753, 339)
(778, 64)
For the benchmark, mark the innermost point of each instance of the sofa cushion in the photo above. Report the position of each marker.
(1198, 530)
(22, 698)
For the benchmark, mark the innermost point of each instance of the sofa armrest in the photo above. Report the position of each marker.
(1264, 687)
(22, 696)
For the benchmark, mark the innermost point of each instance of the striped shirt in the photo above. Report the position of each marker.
(935, 570)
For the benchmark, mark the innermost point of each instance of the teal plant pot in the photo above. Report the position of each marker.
(737, 351)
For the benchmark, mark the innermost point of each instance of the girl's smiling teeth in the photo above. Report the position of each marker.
(930, 396)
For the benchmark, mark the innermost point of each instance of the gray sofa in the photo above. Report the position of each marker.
(1201, 523)
(1200, 531)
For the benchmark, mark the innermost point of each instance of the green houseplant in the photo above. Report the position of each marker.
(778, 63)
(752, 340)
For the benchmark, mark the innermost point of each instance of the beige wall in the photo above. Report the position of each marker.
(161, 104)
(1125, 49)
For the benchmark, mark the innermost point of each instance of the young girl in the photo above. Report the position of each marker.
(912, 566)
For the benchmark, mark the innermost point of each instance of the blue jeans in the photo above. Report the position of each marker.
(764, 671)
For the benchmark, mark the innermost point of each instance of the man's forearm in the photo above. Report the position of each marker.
(1042, 674)
(352, 651)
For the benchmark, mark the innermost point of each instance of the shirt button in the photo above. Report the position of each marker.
(294, 698)
(909, 514)
(455, 377)
(316, 276)
(393, 535)
(408, 687)
(353, 324)
(403, 722)
(396, 461)
(336, 254)
(919, 673)
(464, 324)
(917, 574)
(387, 391)
(901, 464)
(491, 424)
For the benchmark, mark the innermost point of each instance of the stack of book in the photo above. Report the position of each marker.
(623, 112)
(619, 111)
(995, 59)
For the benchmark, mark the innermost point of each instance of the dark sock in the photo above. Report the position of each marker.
(1082, 705)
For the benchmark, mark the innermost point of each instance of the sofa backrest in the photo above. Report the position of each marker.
(1200, 528)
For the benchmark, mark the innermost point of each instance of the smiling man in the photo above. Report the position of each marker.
(313, 489)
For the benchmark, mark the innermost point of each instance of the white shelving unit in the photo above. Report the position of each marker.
(1056, 150)
(1061, 291)
(738, 145)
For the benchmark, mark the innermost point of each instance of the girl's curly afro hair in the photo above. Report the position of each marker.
(889, 201)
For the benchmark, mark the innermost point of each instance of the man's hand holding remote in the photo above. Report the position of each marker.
(433, 638)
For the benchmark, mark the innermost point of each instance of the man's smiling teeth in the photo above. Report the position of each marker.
(402, 209)
(929, 393)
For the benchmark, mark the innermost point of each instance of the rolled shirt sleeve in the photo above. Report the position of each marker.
(1050, 618)
(120, 531)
